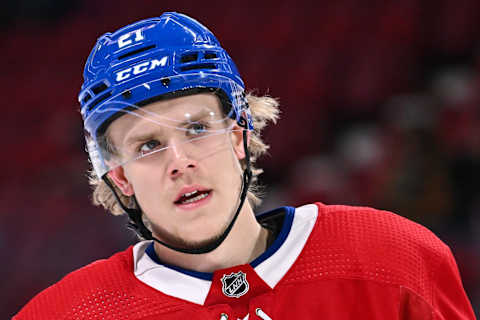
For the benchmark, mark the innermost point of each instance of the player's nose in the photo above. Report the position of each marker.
(179, 161)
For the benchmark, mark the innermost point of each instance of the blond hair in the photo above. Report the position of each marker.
(263, 109)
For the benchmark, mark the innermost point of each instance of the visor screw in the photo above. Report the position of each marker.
(165, 81)
(127, 94)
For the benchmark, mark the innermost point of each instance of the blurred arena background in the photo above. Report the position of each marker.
(380, 107)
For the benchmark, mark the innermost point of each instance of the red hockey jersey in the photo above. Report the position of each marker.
(327, 262)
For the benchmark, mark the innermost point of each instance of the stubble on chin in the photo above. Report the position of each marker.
(179, 242)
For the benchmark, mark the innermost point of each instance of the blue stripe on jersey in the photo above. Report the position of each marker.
(287, 225)
(153, 255)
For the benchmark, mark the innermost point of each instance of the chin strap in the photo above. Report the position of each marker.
(135, 215)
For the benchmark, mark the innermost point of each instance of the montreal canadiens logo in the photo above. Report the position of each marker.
(235, 285)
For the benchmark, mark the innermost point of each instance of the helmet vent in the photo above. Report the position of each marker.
(210, 55)
(189, 57)
(165, 81)
(98, 100)
(134, 52)
(99, 88)
(199, 66)
(86, 98)
(127, 94)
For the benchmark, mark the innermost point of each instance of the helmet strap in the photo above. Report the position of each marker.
(135, 214)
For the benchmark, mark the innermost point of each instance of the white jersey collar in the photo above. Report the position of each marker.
(270, 266)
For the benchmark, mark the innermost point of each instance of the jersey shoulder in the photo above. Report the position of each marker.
(369, 244)
(107, 288)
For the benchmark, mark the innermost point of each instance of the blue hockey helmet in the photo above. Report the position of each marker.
(168, 56)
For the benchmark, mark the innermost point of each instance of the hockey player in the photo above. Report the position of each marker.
(173, 138)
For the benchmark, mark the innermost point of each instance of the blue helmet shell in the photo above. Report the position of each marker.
(154, 57)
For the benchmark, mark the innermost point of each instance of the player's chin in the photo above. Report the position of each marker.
(201, 235)
(193, 243)
(192, 236)
(198, 244)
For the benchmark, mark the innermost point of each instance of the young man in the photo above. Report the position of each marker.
(172, 138)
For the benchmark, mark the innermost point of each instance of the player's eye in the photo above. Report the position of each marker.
(149, 146)
(196, 129)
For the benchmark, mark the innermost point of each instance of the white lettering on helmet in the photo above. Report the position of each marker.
(124, 40)
(138, 35)
(140, 68)
(156, 63)
(124, 74)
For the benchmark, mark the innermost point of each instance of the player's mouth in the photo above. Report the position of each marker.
(192, 197)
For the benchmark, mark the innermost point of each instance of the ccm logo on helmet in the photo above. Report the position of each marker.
(140, 68)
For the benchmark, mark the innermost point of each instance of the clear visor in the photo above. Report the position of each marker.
(191, 127)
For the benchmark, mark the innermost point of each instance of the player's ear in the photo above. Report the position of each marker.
(237, 141)
(117, 175)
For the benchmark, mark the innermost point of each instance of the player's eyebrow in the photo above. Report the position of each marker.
(144, 131)
(145, 136)
(142, 136)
